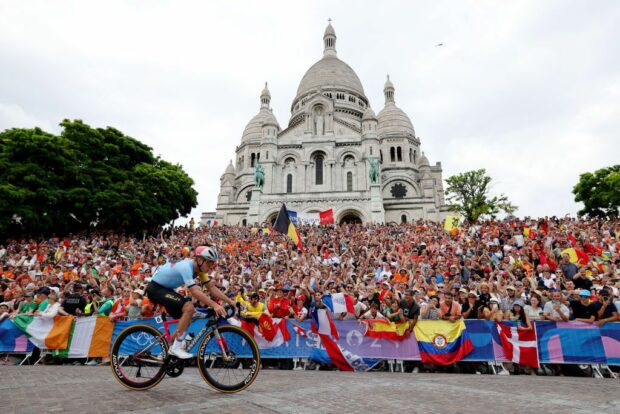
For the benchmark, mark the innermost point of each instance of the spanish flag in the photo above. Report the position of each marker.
(283, 225)
(442, 342)
(382, 329)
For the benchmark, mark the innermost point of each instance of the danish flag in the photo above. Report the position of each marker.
(519, 346)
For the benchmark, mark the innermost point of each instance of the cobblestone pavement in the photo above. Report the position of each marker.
(70, 389)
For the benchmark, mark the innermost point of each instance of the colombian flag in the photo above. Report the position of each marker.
(442, 342)
(382, 329)
(284, 225)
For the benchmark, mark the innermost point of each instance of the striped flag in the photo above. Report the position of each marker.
(339, 303)
(383, 329)
(46, 333)
(284, 225)
(89, 338)
(519, 346)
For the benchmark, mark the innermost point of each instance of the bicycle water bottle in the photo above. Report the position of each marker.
(188, 339)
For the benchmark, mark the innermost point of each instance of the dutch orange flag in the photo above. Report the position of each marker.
(284, 225)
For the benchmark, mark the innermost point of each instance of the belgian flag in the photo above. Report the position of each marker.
(284, 225)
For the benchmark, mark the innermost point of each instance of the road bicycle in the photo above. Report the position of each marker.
(227, 356)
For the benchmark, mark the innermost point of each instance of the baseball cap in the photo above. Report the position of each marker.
(518, 302)
(254, 295)
(585, 293)
(510, 287)
(139, 291)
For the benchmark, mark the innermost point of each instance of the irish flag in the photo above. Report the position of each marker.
(45, 333)
(89, 338)
(85, 338)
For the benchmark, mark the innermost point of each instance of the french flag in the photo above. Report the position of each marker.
(322, 324)
(339, 303)
(519, 346)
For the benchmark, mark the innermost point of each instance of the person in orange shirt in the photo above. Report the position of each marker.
(401, 276)
(8, 273)
(449, 309)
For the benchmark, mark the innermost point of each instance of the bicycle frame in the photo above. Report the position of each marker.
(205, 329)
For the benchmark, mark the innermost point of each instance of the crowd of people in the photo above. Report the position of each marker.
(556, 269)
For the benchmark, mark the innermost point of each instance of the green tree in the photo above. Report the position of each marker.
(468, 194)
(86, 178)
(599, 192)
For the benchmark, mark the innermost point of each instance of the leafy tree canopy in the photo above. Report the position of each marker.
(599, 192)
(468, 194)
(86, 178)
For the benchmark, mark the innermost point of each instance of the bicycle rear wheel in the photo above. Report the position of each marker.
(236, 372)
(138, 357)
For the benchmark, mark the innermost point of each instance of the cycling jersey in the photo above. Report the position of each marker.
(174, 275)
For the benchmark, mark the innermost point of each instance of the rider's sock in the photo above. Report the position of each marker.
(178, 343)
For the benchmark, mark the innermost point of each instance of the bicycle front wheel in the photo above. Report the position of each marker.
(138, 357)
(231, 365)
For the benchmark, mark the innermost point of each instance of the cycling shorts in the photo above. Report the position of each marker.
(166, 297)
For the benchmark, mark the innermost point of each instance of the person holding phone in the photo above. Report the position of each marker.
(606, 309)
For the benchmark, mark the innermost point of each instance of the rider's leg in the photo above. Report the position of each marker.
(184, 320)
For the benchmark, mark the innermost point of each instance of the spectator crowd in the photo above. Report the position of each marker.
(555, 269)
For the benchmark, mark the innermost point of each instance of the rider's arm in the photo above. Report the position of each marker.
(215, 292)
(201, 297)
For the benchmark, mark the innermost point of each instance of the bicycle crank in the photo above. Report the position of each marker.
(174, 366)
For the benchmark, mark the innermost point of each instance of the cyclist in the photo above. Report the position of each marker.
(161, 291)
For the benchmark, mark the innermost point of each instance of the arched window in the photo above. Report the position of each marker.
(349, 181)
(399, 154)
(289, 183)
(403, 219)
(381, 156)
(252, 160)
(267, 155)
(258, 156)
(370, 150)
(244, 222)
(415, 156)
(392, 155)
(410, 155)
(318, 168)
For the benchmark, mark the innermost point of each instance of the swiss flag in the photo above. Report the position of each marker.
(327, 216)
(519, 346)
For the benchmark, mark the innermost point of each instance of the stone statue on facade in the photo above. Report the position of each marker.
(259, 176)
(373, 174)
(319, 122)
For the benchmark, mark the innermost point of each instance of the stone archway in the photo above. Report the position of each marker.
(271, 218)
(350, 217)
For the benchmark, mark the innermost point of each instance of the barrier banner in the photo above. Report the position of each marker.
(12, 339)
(557, 342)
(576, 342)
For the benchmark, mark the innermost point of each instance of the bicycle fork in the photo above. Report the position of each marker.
(222, 344)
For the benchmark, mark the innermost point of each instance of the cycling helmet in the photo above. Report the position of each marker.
(207, 253)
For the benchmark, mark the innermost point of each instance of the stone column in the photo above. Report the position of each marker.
(253, 215)
(376, 204)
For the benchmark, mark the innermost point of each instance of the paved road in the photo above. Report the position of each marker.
(69, 389)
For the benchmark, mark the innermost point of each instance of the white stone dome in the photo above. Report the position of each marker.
(253, 129)
(393, 120)
(230, 169)
(424, 161)
(369, 114)
(330, 73)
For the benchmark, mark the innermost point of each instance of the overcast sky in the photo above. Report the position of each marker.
(528, 90)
